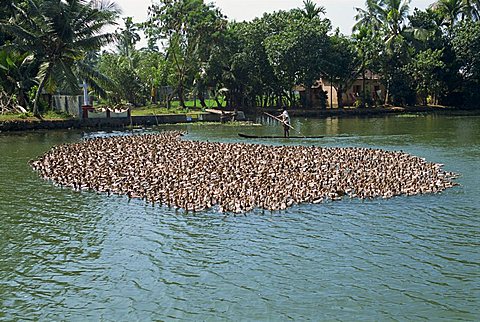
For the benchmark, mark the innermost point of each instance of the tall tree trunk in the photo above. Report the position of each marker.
(180, 96)
(308, 96)
(387, 92)
(219, 105)
(229, 97)
(169, 98)
(364, 99)
(153, 94)
(201, 97)
(36, 111)
(168, 101)
(340, 97)
(289, 97)
(331, 92)
(22, 101)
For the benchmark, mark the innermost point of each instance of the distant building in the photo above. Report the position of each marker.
(324, 94)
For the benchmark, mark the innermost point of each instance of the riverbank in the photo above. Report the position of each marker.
(357, 111)
(104, 123)
(151, 120)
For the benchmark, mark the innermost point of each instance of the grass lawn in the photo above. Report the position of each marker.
(155, 110)
(209, 102)
(48, 116)
(191, 108)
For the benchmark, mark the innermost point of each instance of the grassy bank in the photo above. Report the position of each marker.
(48, 116)
(191, 107)
(154, 110)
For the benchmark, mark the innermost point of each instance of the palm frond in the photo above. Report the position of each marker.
(106, 5)
(88, 71)
(94, 42)
(70, 79)
(43, 71)
(97, 87)
(17, 31)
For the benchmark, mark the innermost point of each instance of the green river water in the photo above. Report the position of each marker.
(84, 256)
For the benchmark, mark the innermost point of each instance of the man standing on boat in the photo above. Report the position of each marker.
(286, 122)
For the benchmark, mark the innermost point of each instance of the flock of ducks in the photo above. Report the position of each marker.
(235, 178)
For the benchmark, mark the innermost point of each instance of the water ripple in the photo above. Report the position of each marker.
(85, 256)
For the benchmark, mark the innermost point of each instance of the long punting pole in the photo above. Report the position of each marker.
(279, 119)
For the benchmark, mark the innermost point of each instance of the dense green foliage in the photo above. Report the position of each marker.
(58, 36)
(422, 57)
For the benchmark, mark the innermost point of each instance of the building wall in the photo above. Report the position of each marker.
(70, 104)
(374, 88)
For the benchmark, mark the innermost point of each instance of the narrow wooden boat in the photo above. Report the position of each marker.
(247, 136)
(219, 112)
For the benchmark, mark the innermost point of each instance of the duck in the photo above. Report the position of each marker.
(165, 169)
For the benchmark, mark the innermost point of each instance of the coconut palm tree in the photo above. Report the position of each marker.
(382, 19)
(368, 17)
(387, 16)
(311, 10)
(393, 14)
(59, 33)
(451, 11)
(474, 7)
(127, 38)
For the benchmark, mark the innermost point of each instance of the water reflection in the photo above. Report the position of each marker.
(331, 126)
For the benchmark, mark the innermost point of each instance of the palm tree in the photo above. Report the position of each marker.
(474, 7)
(385, 19)
(59, 33)
(394, 13)
(451, 11)
(86, 70)
(368, 17)
(454, 10)
(311, 10)
(387, 16)
(127, 38)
